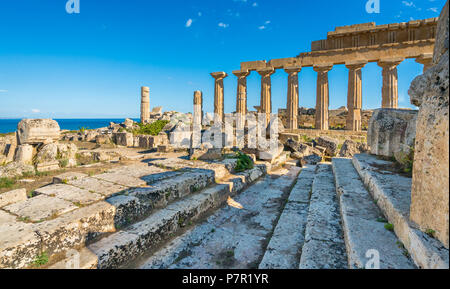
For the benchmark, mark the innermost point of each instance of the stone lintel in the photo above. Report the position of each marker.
(241, 73)
(219, 75)
(266, 71)
(322, 67)
(425, 58)
(293, 69)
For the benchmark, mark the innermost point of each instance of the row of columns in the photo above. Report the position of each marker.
(354, 96)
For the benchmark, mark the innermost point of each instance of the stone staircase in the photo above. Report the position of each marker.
(172, 213)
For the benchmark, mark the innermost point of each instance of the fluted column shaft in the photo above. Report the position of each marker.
(266, 92)
(292, 97)
(322, 98)
(354, 96)
(218, 95)
(389, 92)
(241, 97)
(145, 104)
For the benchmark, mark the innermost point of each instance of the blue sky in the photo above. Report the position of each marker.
(92, 64)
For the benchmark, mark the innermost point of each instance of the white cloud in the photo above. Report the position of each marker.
(223, 25)
(409, 4)
(262, 27)
(434, 9)
(189, 23)
(3, 91)
(255, 4)
(35, 110)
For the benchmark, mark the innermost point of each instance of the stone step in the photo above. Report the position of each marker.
(230, 237)
(324, 246)
(392, 193)
(283, 251)
(77, 259)
(362, 222)
(122, 247)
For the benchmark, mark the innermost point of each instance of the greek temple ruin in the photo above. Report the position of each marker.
(353, 46)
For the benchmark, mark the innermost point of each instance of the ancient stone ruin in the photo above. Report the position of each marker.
(248, 189)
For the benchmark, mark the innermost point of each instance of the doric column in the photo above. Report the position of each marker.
(145, 104)
(241, 97)
(354, 95)
(218, 95)
(322, 98)
(426, 60)
(389, 92)
(292, 97)
(198, 108)
(266, 91)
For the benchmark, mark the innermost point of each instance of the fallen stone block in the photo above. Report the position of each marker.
(12, 197)
(37, 131)
(70, 193)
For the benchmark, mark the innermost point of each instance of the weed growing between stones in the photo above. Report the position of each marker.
(40, 260)
(153, 128)
(389, 227)
(244, 162)
(6, 183)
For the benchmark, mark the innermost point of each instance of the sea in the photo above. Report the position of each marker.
(10, 125)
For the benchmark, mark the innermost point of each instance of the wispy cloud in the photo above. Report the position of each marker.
(35, 110)
(434, 9)
(408, 4)
(3, 91)
(223, 25)
(189, 23)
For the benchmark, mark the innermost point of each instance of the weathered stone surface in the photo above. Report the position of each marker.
(37, 131)
(12, 197)
(40, 208)
(67, 177)
(360, 220)
(430, 187)
(311, 160)
(120, 179)
(15, 169)
(103, 139)
(393, 196)
(48, 153)
(330, 144)
(124, 139)
(391, 130)
(70, 193)
(24, 154)
(324, 246)
(350, 148)
(97, 186)
(82, 259)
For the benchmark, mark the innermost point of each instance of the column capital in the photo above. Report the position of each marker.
(355, 64)
(219, 75)
(145, 89)
(293, 69)
(323, 67)
(425, 59)
(390, 63)
(266, 71)
(241, 73)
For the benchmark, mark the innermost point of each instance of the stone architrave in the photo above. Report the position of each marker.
(266, 92)
(292, 97)
(241, 97)
(218, 95)
(426, 60)
(322, 101)
(145, 104)
(389, 91)
(354, 96)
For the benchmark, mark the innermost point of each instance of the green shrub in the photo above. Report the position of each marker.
(389, 227)
(152, 128)
(63, 163)
(6, 183)
(244, 162)
(40, 260)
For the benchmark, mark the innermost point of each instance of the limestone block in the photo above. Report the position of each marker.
(128, 123)
(10, 152)
(15, 169)
(40, 208)
(24, 154)
(67, 151)
(391, 130)
(351, 148)
(70, 193)
(36, 131)
(67, 177)
(124, 139)
(12, 197)
(48, 153)
(330, 145)
(102, 139)
(97, 186)
(311, 160)
(430, 185)
(48, 166)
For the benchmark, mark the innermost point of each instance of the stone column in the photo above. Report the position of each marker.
(241, 97)
(145, 104)
(198, 108)
(218, 95)
(292, 97)
(266, 92)
(354, 95)
(322, 98)
(389, 92)
(426, 60)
